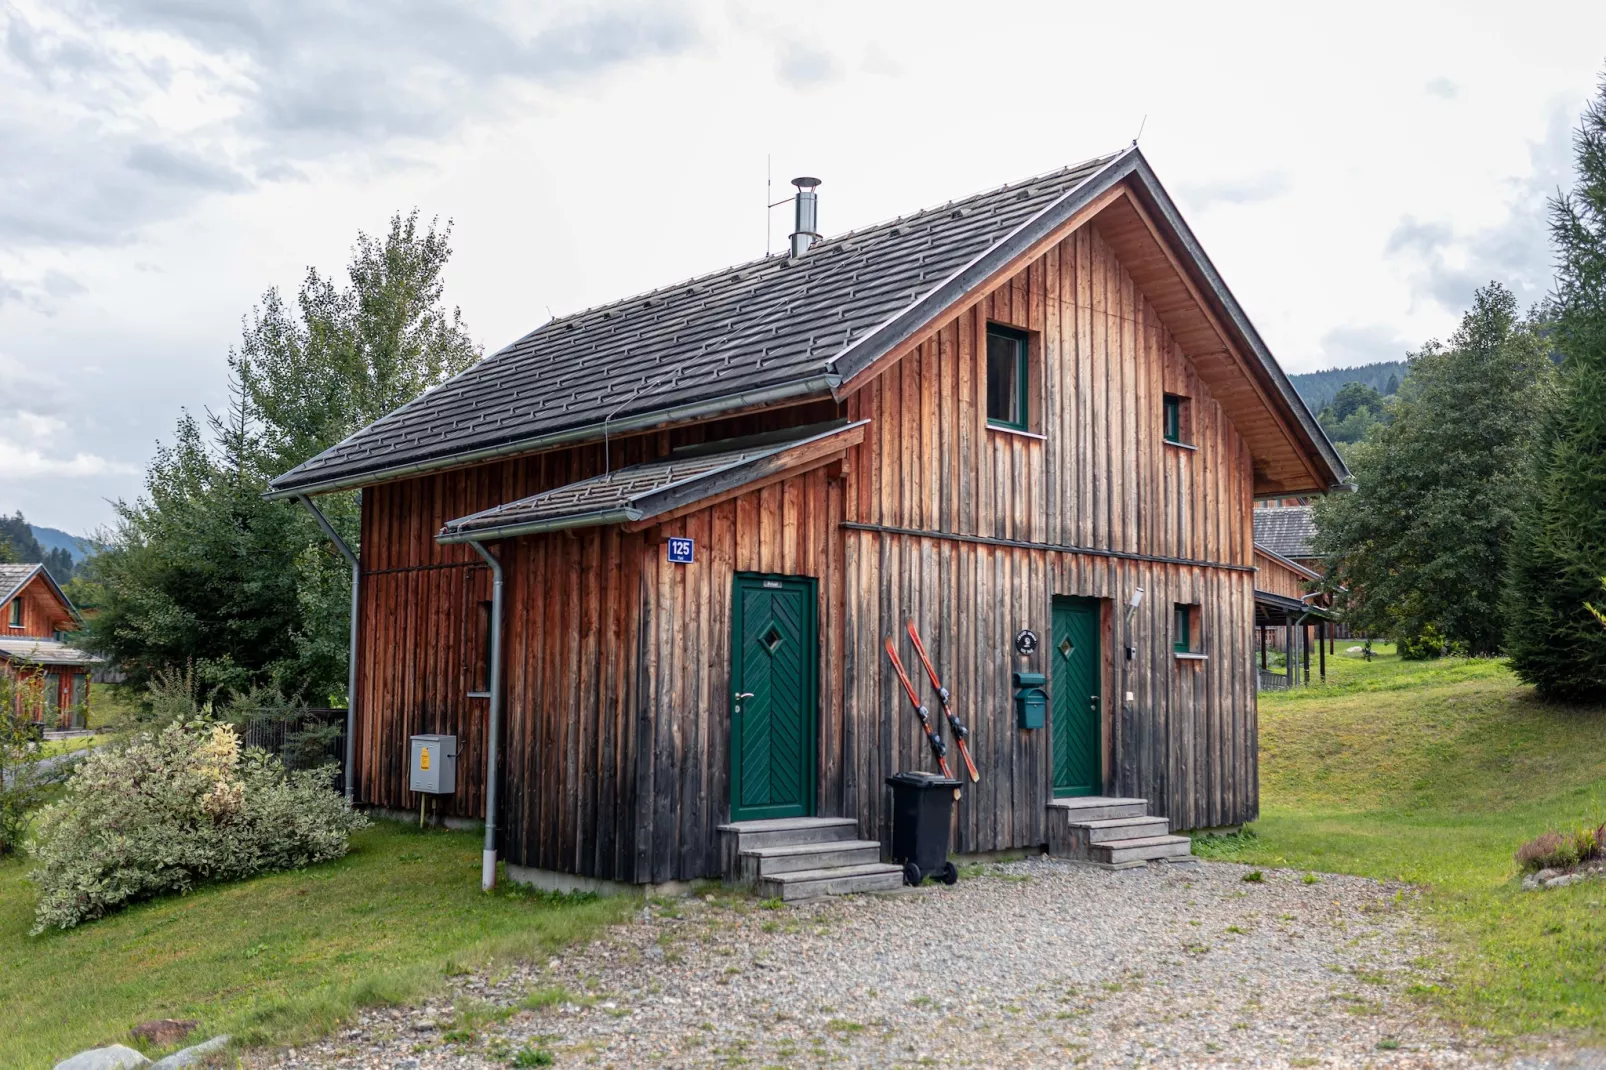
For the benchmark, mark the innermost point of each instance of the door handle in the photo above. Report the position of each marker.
(740, 695)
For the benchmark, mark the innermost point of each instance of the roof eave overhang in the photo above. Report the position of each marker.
(1318, 447)
(817, 386)
(667, 500)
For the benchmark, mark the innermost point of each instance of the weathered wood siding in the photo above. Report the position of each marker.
(419, 635)
(618, 745)
(1097, 476)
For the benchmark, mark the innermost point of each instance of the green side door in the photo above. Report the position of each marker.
(773, 707)
(1074, 677)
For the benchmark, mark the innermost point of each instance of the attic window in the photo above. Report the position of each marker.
(15, 613)
(1008, 378)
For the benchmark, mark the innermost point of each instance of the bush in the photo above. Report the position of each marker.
(24, 779)
(1555, 851)
(173, 808)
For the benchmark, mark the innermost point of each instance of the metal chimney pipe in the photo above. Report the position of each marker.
(806, 231)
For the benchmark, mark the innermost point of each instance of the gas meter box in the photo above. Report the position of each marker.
(432, 765)
(1031, 699)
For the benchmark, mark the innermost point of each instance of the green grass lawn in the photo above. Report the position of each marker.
(1434, 773)
(110, 704)
(50, 748)
(277, 958)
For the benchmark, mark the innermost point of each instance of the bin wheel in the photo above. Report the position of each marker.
(912, 874)
(950, 873)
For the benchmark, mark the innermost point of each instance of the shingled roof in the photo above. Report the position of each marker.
(655, 488)
(13, 577)
(1287, 531)
(770, 330)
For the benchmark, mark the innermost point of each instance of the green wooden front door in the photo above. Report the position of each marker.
(773, 709)
(1073, 653)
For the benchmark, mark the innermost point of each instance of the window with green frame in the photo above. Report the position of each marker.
(1182, 642)
(1175, 411)
(1007, 378)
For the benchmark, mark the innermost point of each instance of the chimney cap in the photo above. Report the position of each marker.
(805, 182)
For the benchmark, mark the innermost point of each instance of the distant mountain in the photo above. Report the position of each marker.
(1318, 388)
(55, 538)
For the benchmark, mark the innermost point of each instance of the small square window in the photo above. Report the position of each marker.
(1176, 419)
(1007, 378)
(1183, 631)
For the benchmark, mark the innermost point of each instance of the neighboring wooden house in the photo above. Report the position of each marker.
(669, 535)
(35, 620)
(1289, 531)
(1288, 609)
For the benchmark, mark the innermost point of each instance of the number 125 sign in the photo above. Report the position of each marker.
(681, 551)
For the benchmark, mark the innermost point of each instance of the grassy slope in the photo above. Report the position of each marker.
(1434, 773)
(275, 958)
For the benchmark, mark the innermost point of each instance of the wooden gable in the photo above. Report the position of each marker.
(45, 610)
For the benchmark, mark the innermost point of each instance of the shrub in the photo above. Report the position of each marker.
(24, 779)
(1555, 851)
(173, 808)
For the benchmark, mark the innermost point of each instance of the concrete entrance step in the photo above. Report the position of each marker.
(1112, 832)
(1098, 807)
(740, 836)
(836, 880)
(1138, 851)
(762, 862)
(1125, 828)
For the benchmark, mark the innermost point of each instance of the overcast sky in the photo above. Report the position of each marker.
(1353, 172)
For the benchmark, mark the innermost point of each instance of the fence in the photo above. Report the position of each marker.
(1272, 681)
(302, 739)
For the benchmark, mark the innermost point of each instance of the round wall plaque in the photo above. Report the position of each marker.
(1026, 642)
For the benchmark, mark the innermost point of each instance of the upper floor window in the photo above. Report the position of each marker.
(1008, 377)
(15, 613)
(1178, 422)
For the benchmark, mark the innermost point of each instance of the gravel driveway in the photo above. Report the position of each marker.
(1033, 963)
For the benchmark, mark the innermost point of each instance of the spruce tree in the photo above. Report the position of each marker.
(1420, 548)
(1554, 641)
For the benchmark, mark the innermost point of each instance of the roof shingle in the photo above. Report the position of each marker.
(756, 326)
(1286, 530)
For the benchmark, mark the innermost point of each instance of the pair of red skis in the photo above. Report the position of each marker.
(938, 747)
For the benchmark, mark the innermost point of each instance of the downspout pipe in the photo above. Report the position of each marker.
(494, 730)
(351, 654)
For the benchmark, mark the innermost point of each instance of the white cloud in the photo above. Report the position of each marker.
(19, 461)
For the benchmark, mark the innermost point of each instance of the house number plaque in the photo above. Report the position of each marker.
(1026, 642)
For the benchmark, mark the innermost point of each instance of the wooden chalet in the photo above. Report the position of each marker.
(642, 561)
(36, 619)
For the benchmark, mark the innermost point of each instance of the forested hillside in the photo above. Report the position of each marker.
(1320, 388)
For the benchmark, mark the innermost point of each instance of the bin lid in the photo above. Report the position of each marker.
(913, 778)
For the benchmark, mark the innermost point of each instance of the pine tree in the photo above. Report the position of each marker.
(1554, 641)
(1421, 547)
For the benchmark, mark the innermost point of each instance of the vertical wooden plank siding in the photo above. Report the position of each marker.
(617, 748)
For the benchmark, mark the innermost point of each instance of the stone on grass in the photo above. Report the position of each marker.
(192, 1055)
(1563, 880)
(115, 1057)
(164, 1032)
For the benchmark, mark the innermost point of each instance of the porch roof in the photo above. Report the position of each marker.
(45, 652)
(1280, 609)
(642, 493)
